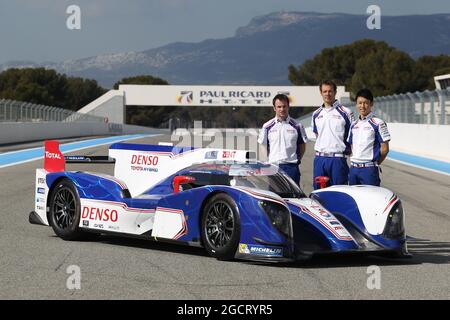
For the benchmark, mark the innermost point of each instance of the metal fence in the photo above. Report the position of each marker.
(17, 111)
(428, 107)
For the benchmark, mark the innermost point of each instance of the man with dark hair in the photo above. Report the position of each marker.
(284, 139)
(369, 139)
(331, 124)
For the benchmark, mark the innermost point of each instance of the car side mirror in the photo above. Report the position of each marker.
(180, 180)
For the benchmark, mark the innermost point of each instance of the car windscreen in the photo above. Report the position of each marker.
(277, 183)
(260, 176)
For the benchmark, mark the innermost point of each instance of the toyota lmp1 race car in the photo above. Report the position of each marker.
(222, 200)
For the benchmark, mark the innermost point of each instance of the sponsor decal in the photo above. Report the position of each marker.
(147, 160)
(114, 127)
(144, 163)
(236, 97)
(185, 97)
(228, 154)
(211, 155)
(243, 248)
(234, 94)
(288, 94)
(115, 228)
(99, 214)
(98, 226)
(326, 219)
(41, 180)
(52, 155)
(321, 211)
(40, 208)
(41, 190)
(40, 200)
(85, 223)
(139, 168)
(260, 250)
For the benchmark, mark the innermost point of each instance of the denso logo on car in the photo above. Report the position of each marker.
(144, 160)
(99, 214)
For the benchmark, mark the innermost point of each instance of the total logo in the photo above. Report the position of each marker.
(51, 155)
(99, 214)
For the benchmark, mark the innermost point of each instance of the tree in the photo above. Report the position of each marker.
(143, 79)
(47, 87)
(427, 67)
(338, 63)
(81, 92)
(373, 64)
(384, 72)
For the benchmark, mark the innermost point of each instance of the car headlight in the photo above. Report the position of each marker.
(395, 224)
(279, 216)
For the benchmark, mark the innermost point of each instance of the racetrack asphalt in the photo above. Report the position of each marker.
(34, 262)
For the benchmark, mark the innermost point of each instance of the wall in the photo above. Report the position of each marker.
(111, 105)
(425, 140)
(14, 132)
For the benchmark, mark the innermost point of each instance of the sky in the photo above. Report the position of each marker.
(36, 30)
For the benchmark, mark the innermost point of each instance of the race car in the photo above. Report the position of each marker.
(222, 200)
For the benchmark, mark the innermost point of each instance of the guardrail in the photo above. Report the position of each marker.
(17, 111)
(427, 107)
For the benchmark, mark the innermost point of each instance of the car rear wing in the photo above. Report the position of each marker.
(55, 161)
(89, 159)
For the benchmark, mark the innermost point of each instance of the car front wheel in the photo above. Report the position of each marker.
(221, 227)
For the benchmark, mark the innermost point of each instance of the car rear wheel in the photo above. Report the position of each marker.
(64, 214)
(221, 227)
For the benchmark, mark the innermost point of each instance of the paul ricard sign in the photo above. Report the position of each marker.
(255, 96)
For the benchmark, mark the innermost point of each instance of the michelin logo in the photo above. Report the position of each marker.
(260, 250)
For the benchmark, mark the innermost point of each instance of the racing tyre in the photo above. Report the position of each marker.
(65, 211)
(221, 227)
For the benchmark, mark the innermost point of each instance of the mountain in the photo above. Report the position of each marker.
(259, 53)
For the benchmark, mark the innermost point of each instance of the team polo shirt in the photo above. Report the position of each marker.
(332, 126)
(366, 136)
(282, 139)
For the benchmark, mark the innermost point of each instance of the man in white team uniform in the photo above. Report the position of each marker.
(284, 139)
(331, 124)
(369, 138)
